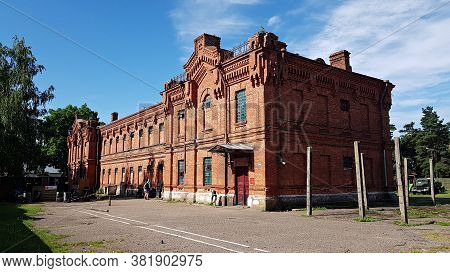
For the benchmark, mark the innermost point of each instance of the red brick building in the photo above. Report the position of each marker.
(237, 123)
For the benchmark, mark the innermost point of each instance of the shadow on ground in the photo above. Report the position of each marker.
(425, 200)
(16, 234)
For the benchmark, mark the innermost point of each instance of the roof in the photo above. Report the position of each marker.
(230, 148)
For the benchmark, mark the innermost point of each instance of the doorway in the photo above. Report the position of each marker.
(242, 185)
(159, 181)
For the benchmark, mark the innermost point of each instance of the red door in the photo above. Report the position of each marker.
(242, 185)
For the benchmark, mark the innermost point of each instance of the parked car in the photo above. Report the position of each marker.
(423, 186)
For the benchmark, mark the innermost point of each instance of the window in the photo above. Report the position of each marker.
(207, 113)
(180, 172)
(104, 147)
(241, 107)
(150, 169)
(110, 146)
(124, 140)
(181, 115)
(116, 170)
(161, 133)
(117, 144)
(109, 176)
(139, 174)
(131, 140)
(141, 132)
(149, 139)
(207, 178)
(348, 162)
(345, 105)
(131, 175)
(207, 103)
(123, 175)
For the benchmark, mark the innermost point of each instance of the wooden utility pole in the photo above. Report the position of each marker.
(400, 188)
(362, 211)
(433, 196)
(308, 181)
(363, 177)
(405, 177)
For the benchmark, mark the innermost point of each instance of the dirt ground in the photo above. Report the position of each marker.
(158, 226)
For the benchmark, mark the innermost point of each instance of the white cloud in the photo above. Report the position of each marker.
(414, 59)
(194, 17)
(274, 20)
(415, 102)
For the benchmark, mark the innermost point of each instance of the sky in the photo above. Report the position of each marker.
(116, 55)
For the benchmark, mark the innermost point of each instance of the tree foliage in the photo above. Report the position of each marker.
(431, 140)
(56, 126)
(22, 105)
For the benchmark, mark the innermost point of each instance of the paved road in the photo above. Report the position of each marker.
(158, 226)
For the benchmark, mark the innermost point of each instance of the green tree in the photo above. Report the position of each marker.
(432, 140)
(408, 144)
(56, 126)
(22, 105)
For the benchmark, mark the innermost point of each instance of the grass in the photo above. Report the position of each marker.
(425, 199)
(366, 219)
(18, 233)
(415, 212)
(443, 223)
(400, 223)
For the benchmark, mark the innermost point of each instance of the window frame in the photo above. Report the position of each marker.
(207, 179)
(241, 106)
(180, 172)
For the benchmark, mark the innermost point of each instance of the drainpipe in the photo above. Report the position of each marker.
(97, 159)
(227, 120)
(184, 146)
(281, 60)
(195, 109)
(383, 143)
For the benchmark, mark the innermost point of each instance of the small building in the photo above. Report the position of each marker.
(234, 126)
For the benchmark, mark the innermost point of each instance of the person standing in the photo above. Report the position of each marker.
(147, 189)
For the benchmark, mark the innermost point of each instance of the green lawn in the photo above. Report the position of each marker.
(425, 199)
(17, 233)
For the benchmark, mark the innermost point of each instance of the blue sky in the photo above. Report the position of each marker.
(115, 55)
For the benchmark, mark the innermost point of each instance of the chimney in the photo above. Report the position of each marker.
(114, 116)
(341, 59)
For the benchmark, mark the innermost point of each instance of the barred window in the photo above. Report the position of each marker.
(207, 176)
(241, 107)
(180, 172)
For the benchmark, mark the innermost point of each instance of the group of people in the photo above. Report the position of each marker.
(149, 190)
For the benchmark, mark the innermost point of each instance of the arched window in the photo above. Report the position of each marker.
(207, 115)
(124, 140)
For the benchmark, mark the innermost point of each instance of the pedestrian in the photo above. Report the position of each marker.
(147, 189)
